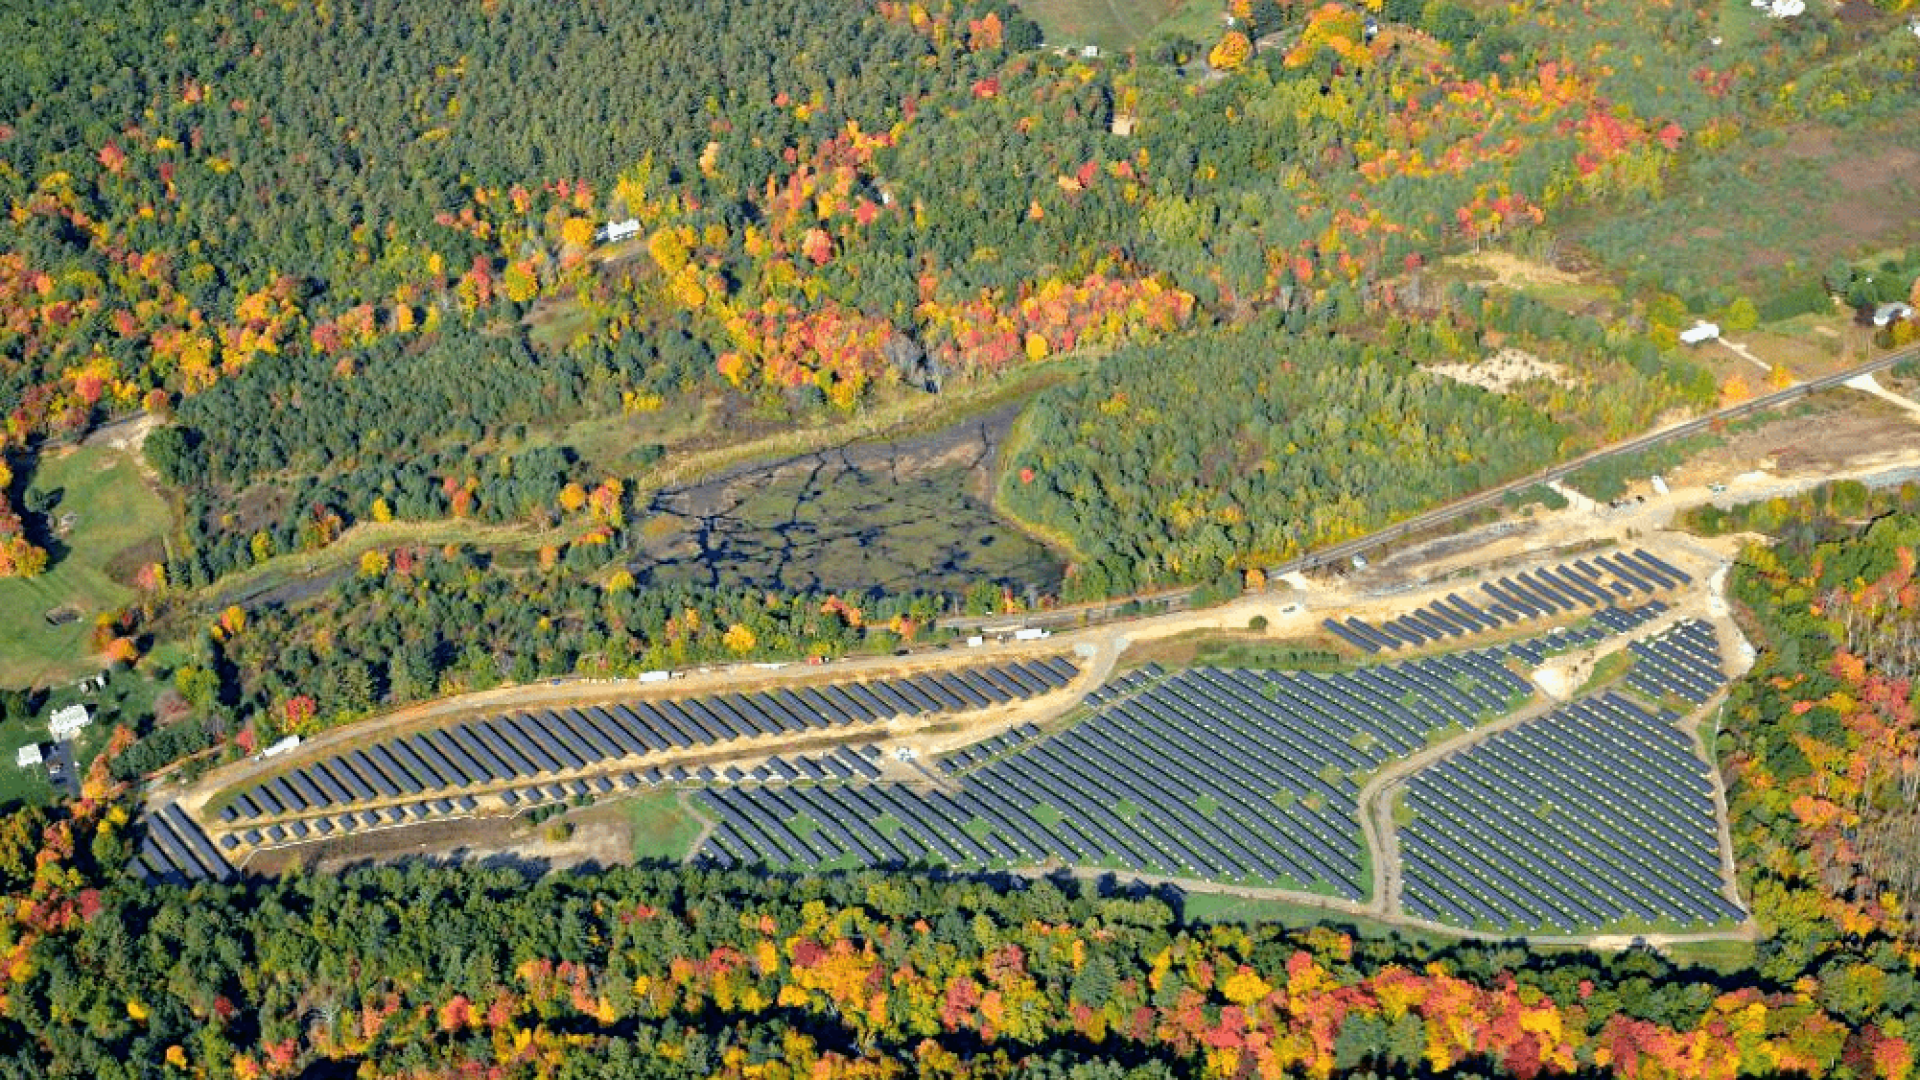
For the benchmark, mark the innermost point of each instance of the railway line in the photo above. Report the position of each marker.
(1182, 598)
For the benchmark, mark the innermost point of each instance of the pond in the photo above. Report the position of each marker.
(906, 515)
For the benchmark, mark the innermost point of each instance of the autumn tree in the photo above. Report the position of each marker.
(1230, 52)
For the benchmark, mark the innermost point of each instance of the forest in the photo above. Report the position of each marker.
(1240, 448)
(1820, 738)
(333, 287)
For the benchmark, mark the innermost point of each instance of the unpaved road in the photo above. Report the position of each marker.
(1098, 650)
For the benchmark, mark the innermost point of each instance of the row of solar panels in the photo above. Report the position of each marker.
(1124, 684)
(534, 743)
(1579, 585)
(842, 763)
(175, 851)
(986, 749)
(1606, 622)
(1684, 662)
(1596, 814)
(320, 828)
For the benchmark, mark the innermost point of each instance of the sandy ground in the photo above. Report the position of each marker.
(1505, 370)
(600, 838)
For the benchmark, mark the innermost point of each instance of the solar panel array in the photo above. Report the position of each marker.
(1602, 582)
(175, 851)
(1605, 623)
(1683, 662)
(986, 750)
(1125, 683)
(411, 774)
(1598, 814)
(1226, 774)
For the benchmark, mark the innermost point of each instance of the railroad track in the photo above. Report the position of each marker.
(1180, 599)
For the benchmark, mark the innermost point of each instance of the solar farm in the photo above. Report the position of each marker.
(1242, 776)
(1594, 815)
(1600, 583)
(524, 759)
(1251, 778)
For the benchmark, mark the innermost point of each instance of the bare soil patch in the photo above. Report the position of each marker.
(1504, 370)
(1515, 272)
(599, 838)
(1844, 425)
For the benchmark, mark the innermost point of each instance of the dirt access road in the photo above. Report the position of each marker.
(1402, 586)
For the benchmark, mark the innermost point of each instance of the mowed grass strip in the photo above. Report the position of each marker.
(1111, 24)
(113, 511)
(663, 828)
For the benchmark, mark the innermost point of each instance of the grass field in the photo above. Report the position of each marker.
(663, 828)
(1725, 956)
(127, 698)
(1113, 24)
(1220, 908)
(21, 787)
(113, 512)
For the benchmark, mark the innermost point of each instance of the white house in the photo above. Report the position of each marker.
(615, 231)
(1699, 333)
(28, 756)
(1891, 312)
(66, 723)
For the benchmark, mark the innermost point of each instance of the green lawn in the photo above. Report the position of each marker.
(1725, 956)
(113, 511)
(663, 828)
(1111, 24)
(21, 787)
(126, 699)
(1198, 907)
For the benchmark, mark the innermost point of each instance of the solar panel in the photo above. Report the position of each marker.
(383, 757)
(602, 748)
(555, 738)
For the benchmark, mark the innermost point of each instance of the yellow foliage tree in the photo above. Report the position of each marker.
(1232, 51)
(519, 283)
(577, 232)
(573, 497)
(1245, 987)
(1734, 391)
(373, 563)
(620, 581)
(739, 638)
(1037, 348)
(380, 511)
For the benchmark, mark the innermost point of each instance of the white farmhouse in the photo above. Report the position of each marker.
(615, 231)
(1699, 333)
(66, 723)
(1891, 312)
